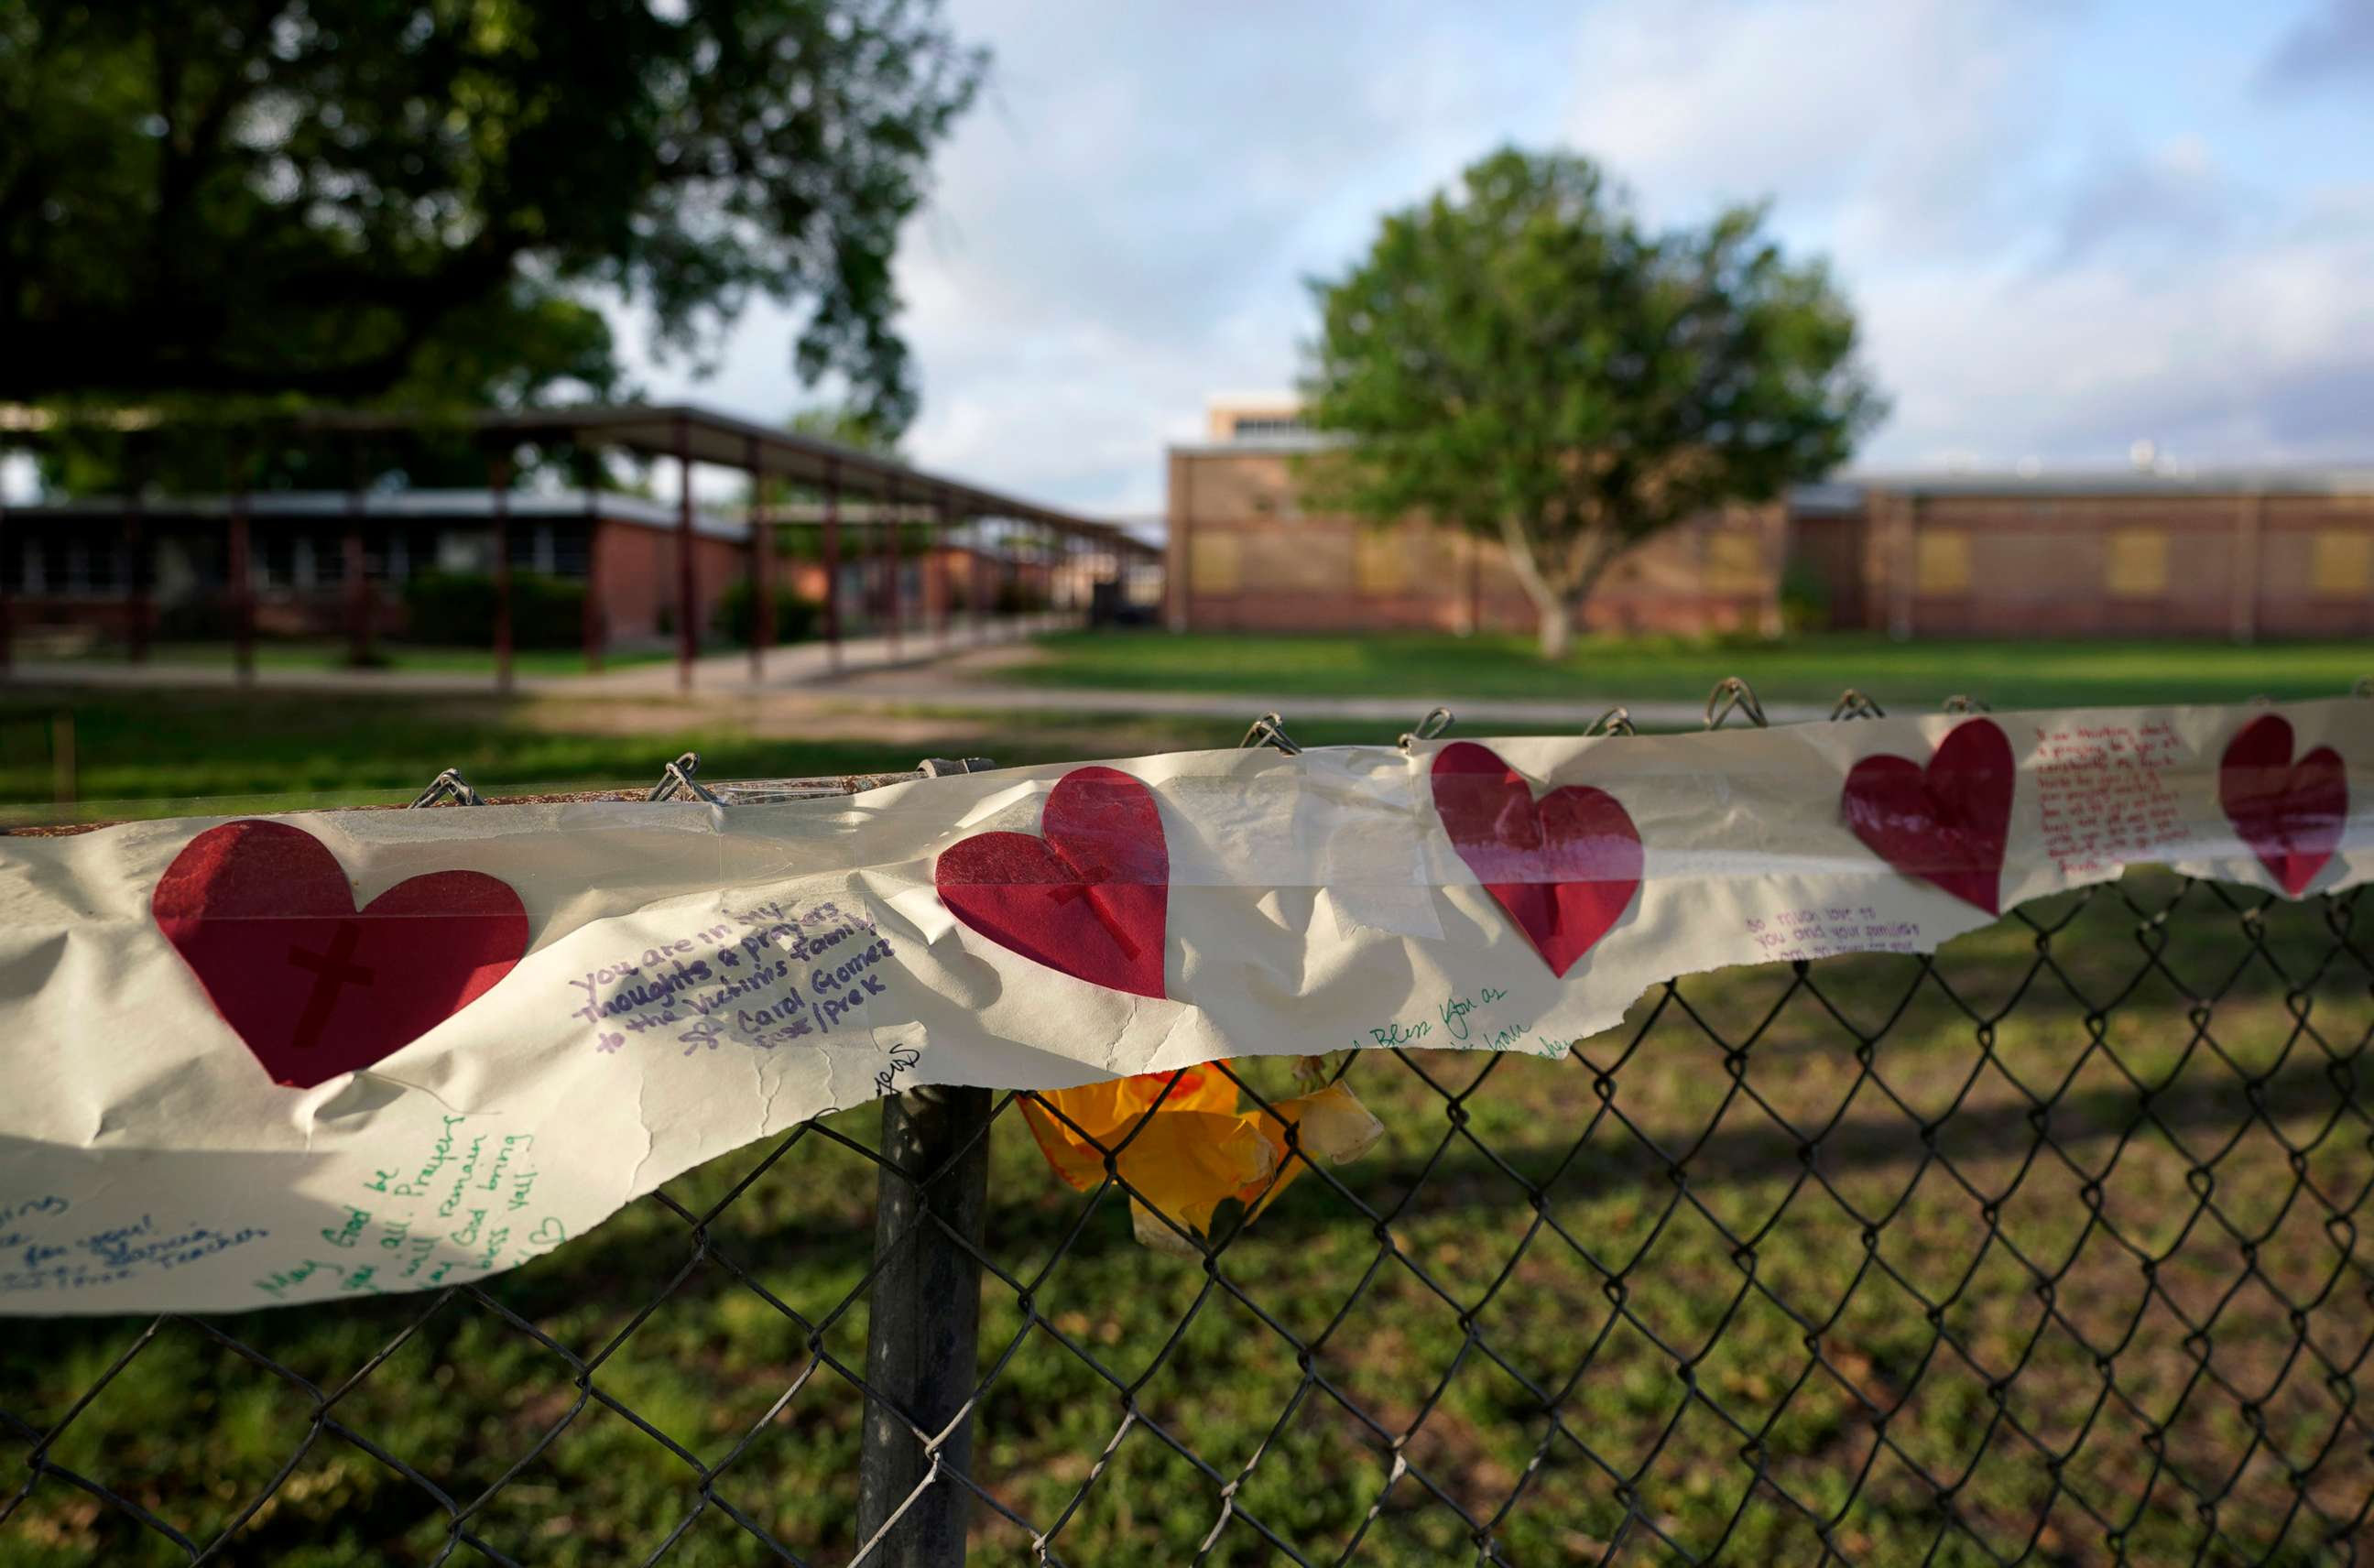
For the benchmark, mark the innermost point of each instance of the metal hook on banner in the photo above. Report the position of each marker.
(1853, 704)
(1437, 720)
(1732, 695)
(1616, 721)
(1270, 730)
(447, 785)
(1958, 705)
(678, 781)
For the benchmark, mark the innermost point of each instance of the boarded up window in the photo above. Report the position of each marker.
(2341, 562)
(1734, 563)
(1380, 561)
(1215, 563)
(1941, 561)
(2135, 564)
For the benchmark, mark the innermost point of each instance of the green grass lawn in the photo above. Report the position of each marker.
(1846, 1288)
(207, 752)
(331, 653)
(1812, 669)
(151, 754)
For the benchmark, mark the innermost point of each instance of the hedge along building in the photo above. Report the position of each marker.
(2243, 554)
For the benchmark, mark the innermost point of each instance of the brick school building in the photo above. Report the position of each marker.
(2240, 554)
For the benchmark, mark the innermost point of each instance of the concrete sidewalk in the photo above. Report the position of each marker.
(802, 666)
(1404, 712)
(879, 673)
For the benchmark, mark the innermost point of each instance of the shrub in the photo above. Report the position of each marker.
(456, 609)
(736, 616)
(1016, 595)
(1804, 599)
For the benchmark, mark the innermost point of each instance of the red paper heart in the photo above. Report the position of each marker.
(1945, 825)
(1564, 866)
(1091, 898)
(2290, 813)
(264, 917)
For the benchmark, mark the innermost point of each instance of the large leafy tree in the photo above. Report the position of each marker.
(1519, 358)
(358, 199)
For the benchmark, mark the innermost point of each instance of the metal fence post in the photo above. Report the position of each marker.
(922, 1331)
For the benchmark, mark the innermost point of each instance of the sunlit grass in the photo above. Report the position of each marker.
(1916, 675)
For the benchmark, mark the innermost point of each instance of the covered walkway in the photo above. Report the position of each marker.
(869, 523)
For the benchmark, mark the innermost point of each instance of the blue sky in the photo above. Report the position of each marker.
(2068, 224)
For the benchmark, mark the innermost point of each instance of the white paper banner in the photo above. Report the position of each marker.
(272, 1060)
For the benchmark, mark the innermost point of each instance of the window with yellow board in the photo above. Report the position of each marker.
(2340, 563)
(1380, 561)
(1941, 561)
(1734, 563)
(2134, 563)
(1215, 563)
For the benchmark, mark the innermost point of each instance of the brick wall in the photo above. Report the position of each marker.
(1245, 556)
(2164, 562)
(635, 579)
(2191, 564)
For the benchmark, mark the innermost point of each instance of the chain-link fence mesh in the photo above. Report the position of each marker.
(2046, 1249)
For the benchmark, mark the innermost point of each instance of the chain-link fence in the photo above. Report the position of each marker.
(2045, 1249)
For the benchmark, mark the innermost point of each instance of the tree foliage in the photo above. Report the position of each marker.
(358, 199)
(1518, 357)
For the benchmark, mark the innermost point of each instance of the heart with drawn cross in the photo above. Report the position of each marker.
(266, 918)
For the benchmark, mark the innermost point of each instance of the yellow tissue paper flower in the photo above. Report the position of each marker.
(1184, 1149)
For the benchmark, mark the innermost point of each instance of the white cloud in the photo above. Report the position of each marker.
(2256, 348)
(1878, 122)
(2057, 243)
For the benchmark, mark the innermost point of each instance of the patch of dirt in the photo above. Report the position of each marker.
(771, 716)
(974, 664)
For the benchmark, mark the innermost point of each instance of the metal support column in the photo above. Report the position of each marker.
(979, 572)
(239, 571)
(762, 562)
(499, 489)
(888, 536)
(940, 588)
(688, 636)
(593, 617)
(358, 588)
(832, 563)
(136, 561)
(924, 1326)
(6, 631)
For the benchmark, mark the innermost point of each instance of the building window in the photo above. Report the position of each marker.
(1215, 564)
(2340, 561)
(2134, 563)
(1379, 563)
(569, 558)
(1734, 563)
(1267, 425)
(462, 553)
(1941, 561)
